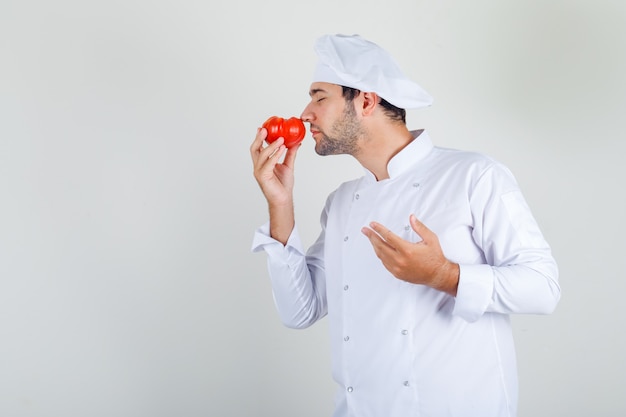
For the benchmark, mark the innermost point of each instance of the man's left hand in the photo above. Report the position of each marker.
(419, 263)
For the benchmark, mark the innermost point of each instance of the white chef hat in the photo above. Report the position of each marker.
(351, 61)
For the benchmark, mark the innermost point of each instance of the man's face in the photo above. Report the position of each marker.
(334, 123)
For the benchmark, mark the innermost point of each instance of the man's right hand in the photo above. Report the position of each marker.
(276, 180)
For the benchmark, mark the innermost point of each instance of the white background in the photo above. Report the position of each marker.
(127, 202)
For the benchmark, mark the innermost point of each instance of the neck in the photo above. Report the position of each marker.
(378, 148)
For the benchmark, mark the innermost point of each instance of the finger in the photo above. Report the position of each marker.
(266, 160)
(258, 151)
(274, 157)
(275, 147)
(270, 150)
(371, 235)
(380, 246)
(257, 144)
(388, 236)
(290, 158)
(420, 228)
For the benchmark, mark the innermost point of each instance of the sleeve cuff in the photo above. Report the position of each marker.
(475, 291)
(262, 241)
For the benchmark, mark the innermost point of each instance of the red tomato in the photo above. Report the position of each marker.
(292, 130)
(274, 126)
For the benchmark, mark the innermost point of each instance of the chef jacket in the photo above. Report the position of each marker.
(401, 349)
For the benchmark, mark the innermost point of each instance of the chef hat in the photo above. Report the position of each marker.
(352, 61)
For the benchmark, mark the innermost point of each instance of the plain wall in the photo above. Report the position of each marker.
(127, 202)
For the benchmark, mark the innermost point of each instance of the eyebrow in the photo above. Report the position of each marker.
(315, 91)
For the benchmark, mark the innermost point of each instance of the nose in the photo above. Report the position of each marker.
(307, 115)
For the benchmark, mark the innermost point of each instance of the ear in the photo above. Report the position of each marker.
(370, 100)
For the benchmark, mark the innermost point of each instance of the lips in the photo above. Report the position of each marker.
(314, 131)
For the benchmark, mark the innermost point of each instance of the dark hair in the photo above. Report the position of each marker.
(393, 112)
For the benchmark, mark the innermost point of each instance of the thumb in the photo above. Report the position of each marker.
(290, 159)
(419, 228)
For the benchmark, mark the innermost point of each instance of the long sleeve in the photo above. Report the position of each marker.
(519, 274)
(297, 278)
